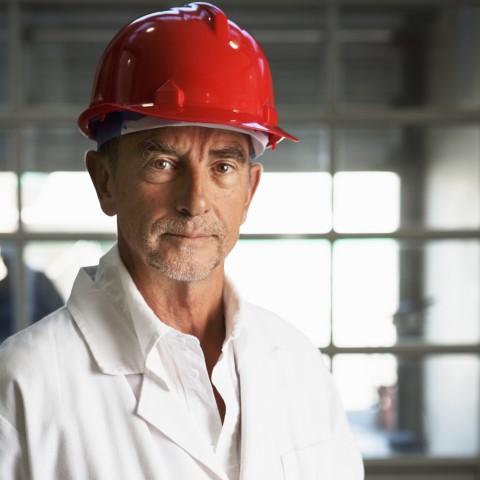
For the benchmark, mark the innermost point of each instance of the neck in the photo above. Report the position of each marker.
(195, 308)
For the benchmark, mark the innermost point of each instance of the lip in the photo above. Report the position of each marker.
(189, 235)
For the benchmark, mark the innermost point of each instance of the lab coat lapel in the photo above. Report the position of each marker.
(161, 409)
(262, 404)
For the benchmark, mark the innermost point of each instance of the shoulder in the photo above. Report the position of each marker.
(294, 360)
(36, 347)
(272, 328)
(29, 362)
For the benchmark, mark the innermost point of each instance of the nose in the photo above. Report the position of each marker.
(192, 194)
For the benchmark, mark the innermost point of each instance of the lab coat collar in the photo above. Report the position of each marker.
(106, 330)
(119, 326)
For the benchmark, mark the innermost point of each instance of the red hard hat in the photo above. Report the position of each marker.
(188, 64)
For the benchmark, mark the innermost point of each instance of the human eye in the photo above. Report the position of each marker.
(223, 168)
(228, 160)
(160, 164)
(158, 158)
(158, 169)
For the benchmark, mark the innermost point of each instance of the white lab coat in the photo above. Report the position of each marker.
(68, 412)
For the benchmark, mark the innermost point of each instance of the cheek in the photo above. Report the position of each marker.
(133, 211)
(243, 205)
(233, 210)
(245, 210)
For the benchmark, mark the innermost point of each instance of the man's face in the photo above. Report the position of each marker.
(180, 195)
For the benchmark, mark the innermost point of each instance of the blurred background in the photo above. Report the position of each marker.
(365, 235)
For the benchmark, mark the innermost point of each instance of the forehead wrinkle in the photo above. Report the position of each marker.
(176, 141)
(182, 141)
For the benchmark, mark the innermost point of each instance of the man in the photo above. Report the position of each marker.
(156, 368)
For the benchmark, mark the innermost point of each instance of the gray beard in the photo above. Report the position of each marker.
(182, 267)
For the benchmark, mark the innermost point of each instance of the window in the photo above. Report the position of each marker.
(365, 235)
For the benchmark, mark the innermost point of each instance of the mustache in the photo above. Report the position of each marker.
(179, 225)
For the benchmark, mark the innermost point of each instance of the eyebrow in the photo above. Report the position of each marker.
(236, 152)
(150, 145)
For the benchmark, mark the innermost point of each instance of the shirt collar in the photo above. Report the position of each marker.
(232, 304)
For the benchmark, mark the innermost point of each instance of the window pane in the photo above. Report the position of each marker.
(8, 283)
(62, 46)
(366, 201)
(60, 147)
(293, 41)
(451, 286)
(411, 56)
(451, 398)
(291, 202)
(400, 405)
(408, 176)
(452, 177)
(310, 154)
(53, 160)
(4, 77)
(8, 186)
(62, 202)
(289, 277)
(387, 292)
(294, 195)
(438, 292)
(365, 292)
(50, 270)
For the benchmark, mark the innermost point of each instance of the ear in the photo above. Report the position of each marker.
(100, 170)
(255, 175)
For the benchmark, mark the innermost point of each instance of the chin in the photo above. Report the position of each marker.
(182, 271)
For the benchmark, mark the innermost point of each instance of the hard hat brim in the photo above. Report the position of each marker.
(95, 114)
